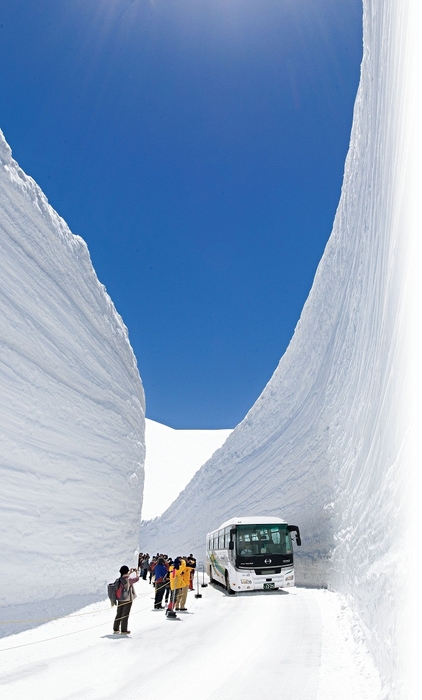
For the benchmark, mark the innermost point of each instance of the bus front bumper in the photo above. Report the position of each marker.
(259, 583)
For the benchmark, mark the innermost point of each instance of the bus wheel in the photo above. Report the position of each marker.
(211, 576)
(229, 590)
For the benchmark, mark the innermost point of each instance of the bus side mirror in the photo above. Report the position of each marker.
(231, 544)
(295, 529)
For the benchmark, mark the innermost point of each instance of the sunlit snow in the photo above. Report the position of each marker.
(329, 445)
(71, 407)
(172, 458)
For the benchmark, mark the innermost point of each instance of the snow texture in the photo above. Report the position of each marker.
(295, 645)
(330, 445)
(71, 410)
(172, 458)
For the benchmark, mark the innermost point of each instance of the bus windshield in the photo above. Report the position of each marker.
(252, 540)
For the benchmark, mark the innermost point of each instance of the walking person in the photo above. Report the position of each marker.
(145, 567)
(160, 574)
(169, 565)
(174, 584)
(151, 569)
(185, 579)
(179, 580)
(125, 599)
(191, 561)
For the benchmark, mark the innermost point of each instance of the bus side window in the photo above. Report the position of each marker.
(221, 540)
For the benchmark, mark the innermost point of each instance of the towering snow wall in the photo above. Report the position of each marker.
(71, 408)
(326, 445)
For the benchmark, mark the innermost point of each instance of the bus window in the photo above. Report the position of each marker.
(246, 550)
(221, 540)
(275, 535)
(263, 539)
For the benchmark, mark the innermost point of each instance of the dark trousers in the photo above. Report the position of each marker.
(122, 616)
(159, 592)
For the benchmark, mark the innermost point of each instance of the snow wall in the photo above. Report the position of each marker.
(325, 444)
(71, 409)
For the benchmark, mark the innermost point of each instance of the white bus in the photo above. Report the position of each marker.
(249, 554)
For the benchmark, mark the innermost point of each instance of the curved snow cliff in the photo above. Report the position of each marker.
(71, 408)
(327, 445)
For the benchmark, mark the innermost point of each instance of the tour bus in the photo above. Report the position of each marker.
(254, 553)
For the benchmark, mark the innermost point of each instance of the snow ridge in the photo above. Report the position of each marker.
(71, 405)
(327, 444)
(172, 458)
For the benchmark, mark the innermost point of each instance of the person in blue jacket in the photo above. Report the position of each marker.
(160, 572)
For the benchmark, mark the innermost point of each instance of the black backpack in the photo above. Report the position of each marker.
(114, 591)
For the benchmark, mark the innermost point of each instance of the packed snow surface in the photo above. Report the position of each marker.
(295, 645)
(71, 409)
(172, 458)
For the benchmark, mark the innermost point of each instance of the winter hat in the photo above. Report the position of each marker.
(124, 570)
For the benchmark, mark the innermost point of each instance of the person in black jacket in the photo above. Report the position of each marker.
(191, 561)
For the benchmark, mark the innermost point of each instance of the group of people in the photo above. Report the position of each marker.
(171, 578)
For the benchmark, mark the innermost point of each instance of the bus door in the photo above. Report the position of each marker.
(230, 537)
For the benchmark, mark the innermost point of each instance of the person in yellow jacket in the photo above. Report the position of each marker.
(176, 581)
(182, 593)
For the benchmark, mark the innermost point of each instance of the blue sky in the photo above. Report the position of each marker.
(198, 147)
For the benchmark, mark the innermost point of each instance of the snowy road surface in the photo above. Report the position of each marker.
(295, 645)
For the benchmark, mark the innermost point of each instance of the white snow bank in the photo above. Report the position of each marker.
(172, 458)
(328, 445)
(71, 408)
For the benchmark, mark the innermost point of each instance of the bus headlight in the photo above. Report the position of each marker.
(245, 580)
(290, 578)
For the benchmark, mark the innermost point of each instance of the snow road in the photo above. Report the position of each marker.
(295, 644)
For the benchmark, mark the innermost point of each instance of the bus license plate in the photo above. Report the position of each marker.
(268, 586)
